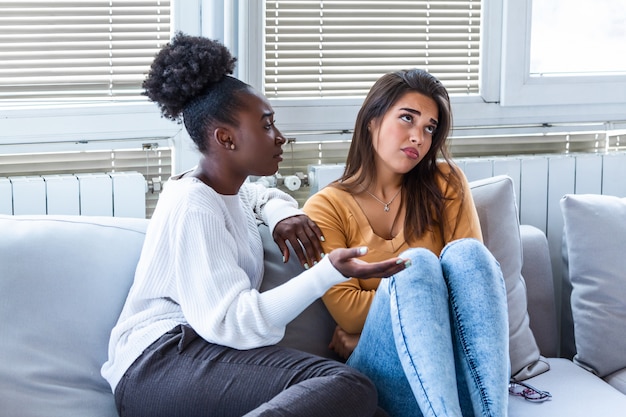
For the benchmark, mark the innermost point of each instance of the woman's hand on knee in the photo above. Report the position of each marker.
(346, 261)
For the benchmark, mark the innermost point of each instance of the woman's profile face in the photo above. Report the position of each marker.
(259, 142)
(403, 136)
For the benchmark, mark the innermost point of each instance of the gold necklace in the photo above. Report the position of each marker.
(385, 205)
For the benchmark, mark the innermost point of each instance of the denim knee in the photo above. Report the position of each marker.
(417, 254)
(469, 253)
(464, 247)
(425, 270)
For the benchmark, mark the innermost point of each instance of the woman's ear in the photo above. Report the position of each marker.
(372, 125)
(224, 138)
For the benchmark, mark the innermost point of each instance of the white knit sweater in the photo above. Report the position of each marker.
(202, 264)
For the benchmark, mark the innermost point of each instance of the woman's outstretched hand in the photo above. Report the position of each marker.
(346, 261)
(304, 236)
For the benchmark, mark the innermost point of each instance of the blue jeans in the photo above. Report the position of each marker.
(435, 342)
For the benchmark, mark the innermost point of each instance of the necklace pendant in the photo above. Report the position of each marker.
(386, 207)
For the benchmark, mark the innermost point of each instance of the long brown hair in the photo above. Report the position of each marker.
(424, 199)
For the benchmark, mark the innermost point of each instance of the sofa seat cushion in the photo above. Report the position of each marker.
(594, 247)
(618, 380)
(63, 281)
(575, 393)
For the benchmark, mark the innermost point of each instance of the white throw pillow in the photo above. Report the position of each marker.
(595, 238)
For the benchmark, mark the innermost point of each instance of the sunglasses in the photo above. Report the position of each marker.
(529, 392)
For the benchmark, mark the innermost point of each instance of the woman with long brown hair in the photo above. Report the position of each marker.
(434, 337)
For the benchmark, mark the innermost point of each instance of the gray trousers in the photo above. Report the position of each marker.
(183, 375)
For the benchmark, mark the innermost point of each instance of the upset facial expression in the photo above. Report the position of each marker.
(258, 141)
(403, 136)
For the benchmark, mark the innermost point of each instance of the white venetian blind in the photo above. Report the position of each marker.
(87, 50)
(331, 48)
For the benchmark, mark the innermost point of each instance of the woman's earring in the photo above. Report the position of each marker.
(232, 146)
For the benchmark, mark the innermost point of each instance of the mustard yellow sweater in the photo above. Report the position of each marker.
(344, 224)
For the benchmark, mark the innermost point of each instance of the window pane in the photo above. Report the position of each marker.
(578, 36)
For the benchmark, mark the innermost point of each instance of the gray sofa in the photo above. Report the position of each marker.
(63, 281)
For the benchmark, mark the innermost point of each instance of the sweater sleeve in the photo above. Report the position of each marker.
(216, 294)
(270, 205)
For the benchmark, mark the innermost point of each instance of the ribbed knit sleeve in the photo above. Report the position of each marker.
(218, 294)
(270, 205)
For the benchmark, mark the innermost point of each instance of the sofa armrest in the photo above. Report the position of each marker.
(537, 273)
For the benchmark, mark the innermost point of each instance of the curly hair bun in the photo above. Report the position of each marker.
(184, 69)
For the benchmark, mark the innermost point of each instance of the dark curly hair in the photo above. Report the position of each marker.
(189, 79)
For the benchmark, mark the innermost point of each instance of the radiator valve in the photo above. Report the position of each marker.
(155, 185)
(292, 182)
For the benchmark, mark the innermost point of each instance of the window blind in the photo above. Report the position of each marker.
(330, 48)
(87, 50)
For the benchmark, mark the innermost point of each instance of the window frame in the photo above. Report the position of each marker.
(520, 88)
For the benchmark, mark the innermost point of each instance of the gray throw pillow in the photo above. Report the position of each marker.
(495, 202)
(312, 329)
(595, 238)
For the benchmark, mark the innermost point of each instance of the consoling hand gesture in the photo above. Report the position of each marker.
(304, 236)
(346, 262)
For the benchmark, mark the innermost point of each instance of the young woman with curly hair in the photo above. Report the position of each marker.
(434, 337)
(195, 336)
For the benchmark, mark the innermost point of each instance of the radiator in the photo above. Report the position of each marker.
(119, 194)
(542, 180)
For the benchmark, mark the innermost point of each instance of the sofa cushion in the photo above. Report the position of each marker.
(575, 393)
(312, 329)
(594, 242)
(64, 281)
(495, 202)
(618, 380)
(539, 279)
